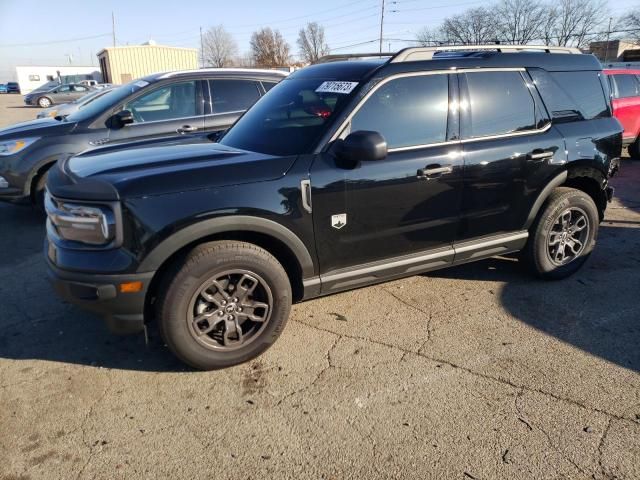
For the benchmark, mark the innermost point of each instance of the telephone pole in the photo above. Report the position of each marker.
(201, 50)
(381, 24)
(113, 28)
(606, 52)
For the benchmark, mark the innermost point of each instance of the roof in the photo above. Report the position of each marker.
(403, 61)
(239, 71)
(126, 47)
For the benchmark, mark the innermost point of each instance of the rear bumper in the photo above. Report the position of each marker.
(123, 312)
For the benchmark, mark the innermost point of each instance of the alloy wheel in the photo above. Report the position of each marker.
(568, 236)
(230, 310)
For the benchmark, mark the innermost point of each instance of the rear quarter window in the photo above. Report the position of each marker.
(626, 85)
(571, 95)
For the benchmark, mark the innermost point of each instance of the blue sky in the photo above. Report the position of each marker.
(44, 32)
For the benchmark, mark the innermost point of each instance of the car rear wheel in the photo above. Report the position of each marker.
(563, 235)
(226, 303)
(44, 102)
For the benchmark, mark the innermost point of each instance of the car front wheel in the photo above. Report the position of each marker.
(225, 304)
(563, 235)
(44, 102)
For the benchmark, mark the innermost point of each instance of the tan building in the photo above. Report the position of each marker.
(123, 64)
(615, 51)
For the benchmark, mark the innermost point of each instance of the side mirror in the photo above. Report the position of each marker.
(120, 119)
(362, 146)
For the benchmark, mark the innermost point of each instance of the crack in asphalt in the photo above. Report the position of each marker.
(475, 373)
(318, 376)
(418, 309)
(600, 447)
(550, 442)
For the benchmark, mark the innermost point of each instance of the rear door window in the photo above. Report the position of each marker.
(626, 86)
(408, 111)
(500, 103)
(233, 95)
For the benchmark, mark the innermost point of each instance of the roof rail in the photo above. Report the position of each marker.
(352, 56)
(427, 53)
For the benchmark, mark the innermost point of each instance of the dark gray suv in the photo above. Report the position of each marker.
(157, 108)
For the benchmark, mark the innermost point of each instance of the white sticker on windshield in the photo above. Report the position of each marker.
(336, 87)
(141, 83)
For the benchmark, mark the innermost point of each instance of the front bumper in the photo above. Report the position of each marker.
(123, 312)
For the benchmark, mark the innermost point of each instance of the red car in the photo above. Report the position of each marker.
(625, 87)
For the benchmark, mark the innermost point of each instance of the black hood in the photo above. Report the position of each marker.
(37, 128)
(162, 168)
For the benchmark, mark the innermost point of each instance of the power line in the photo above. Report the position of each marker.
(35, 44)
(286, 20)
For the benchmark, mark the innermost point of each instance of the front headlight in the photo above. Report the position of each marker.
(52, 113)
(9, 147)
(89, 224)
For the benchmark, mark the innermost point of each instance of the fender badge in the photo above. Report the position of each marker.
(339, 221)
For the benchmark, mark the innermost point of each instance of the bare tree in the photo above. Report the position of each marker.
(520, 21)
(269, 48)
(428, 37)
(631, 23)
(312, 43)
(472, 27)
(219, 47)
(576, 22)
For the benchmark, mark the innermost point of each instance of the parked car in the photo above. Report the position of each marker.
(13, 87)
(68, 108)
(60, 94)
(3, 88)
(345, 174)
(160, 105)
(625, 90)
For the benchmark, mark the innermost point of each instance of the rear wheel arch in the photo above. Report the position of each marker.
(591, 181)
(587, 179)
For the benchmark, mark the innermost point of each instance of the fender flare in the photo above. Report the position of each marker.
(161, 252)
(542, 197)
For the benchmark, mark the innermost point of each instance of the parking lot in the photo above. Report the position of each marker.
(476, 372)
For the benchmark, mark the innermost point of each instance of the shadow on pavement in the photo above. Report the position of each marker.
(36, 324)
(596, 310)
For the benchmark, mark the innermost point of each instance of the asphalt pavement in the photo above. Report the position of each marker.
(476, 372)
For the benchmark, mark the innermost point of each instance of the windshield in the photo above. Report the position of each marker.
(103, 102)
(91, 97)
(289, 120)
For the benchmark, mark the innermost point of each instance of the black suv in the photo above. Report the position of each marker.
(347, 173)
(159, 106)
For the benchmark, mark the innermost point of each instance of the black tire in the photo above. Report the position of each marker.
(38, 191)
(42, 100)
(634, 150)
(538, 251)
(180, 290)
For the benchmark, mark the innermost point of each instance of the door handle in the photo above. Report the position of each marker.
(431, 171)
(540, 155)
(186, 129)
(305, 188)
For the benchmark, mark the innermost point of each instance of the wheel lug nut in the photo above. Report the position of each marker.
(220, 314)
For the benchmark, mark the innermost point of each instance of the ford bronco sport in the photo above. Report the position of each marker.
(345, 174)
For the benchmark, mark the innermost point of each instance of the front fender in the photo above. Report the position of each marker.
(205, 228)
